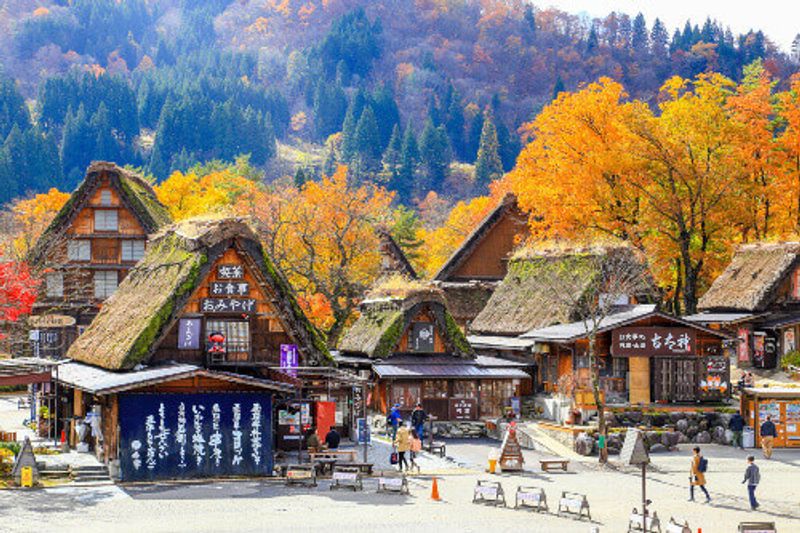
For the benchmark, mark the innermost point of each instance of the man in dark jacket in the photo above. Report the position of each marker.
(768, 433)
(752, 477)
(736, 425)
(332, 439)
(418, 418)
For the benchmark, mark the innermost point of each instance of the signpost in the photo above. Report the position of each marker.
(634, 453)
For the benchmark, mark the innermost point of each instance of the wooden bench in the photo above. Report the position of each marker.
(349, 455)
(553, 464)
(437, 447)
(301, 475)
(574, 505)
(532, 497)
(347, 478)
(393, 481)
(489, 492)
(757, 527)
(677, 526)
(365, 468)
(649, 524)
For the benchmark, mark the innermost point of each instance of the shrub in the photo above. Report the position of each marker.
(790, 359)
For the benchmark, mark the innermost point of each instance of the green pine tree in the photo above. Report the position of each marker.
(488, 166)
(330, 161)
(435, 157)
(409, 160)
(368, 144)
(392, 155)
(300, 178)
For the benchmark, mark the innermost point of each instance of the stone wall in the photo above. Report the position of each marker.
(459, 430)
(662, 431)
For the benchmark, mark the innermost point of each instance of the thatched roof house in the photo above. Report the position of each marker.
(472, 272)
(135, 193)
(169, 282)
(527, 298)
(757, 277)
(393, 259)
(386, 315)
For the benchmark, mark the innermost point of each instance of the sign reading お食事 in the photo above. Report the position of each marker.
(229, 288)
(653, 341)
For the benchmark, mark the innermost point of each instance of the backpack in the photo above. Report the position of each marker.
(702, 466)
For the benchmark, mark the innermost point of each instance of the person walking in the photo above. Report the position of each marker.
(393, 420)
(403, 443)
(736, 425)
(768, 433)
(416, 447)
(752, 476)
(418, 418)
(697, 476)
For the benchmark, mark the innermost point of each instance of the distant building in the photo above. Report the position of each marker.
(393, 260)
(88, 249)
(471, 274)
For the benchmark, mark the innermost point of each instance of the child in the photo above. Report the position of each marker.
(416, 447)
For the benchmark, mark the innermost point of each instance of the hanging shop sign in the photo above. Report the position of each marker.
(195, 435)
(227, 305)
(229, 288)
(653, 341)
(51, 321)
(230, 271)
(290, 359)
(189, 334)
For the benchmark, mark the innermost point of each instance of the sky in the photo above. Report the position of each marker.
(779, 19)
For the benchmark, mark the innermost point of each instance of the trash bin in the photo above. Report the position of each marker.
(748, 438)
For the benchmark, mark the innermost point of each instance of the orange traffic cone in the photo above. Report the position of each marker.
(435, 491)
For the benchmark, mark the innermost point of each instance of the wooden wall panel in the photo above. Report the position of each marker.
(639, 386)
(488, 259)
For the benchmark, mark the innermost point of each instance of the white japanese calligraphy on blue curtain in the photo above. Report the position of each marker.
(195, 435)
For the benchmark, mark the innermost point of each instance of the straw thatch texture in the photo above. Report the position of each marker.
(529, 297)
(135, 192)
(751, 280)
(393, 259)
(465, 300)
(149, 300)
(386, 314)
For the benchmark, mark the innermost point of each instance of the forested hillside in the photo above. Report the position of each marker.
(408, 94)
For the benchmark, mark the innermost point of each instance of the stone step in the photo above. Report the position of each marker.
(90, 468)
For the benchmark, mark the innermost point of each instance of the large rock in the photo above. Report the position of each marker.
(692, 431)
(682, 425)
(704, 437)
(658, 448)
(718, 435)
(683, 439)
(670, 439)
(584, 444)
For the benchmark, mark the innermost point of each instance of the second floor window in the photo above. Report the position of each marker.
(55, 284)
(105, 197)
(105, 283)
(79, 250)
(132, 250)
(106, 220)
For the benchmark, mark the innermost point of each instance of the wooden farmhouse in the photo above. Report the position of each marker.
(757, 300)
(415, 352)
(191, 346)
(527, 300)
(471, 274)
(88, 249)
(393, 260)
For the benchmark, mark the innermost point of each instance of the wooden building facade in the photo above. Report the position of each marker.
(472, 272)
(757, 301)
(415, 352)
(88, 249)
(201, 335)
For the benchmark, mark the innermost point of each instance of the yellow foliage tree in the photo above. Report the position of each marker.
(32, 216)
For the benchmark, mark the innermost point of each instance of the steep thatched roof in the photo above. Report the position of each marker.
(387, 312)
(135, 192)
(751, 280)
(150, 299)
(393, 259)
(528, 298)
(465, 300)
(507, 207)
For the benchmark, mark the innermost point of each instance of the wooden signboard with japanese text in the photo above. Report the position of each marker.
(653, 341)
(463, 409)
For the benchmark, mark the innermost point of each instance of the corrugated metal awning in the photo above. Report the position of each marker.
(719, 318)
(457, 371)
(497, 342)
(100, 381)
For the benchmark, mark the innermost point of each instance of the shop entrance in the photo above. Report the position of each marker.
(674, 379)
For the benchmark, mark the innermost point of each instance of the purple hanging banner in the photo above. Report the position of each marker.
(189, 334)
(290, 359)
